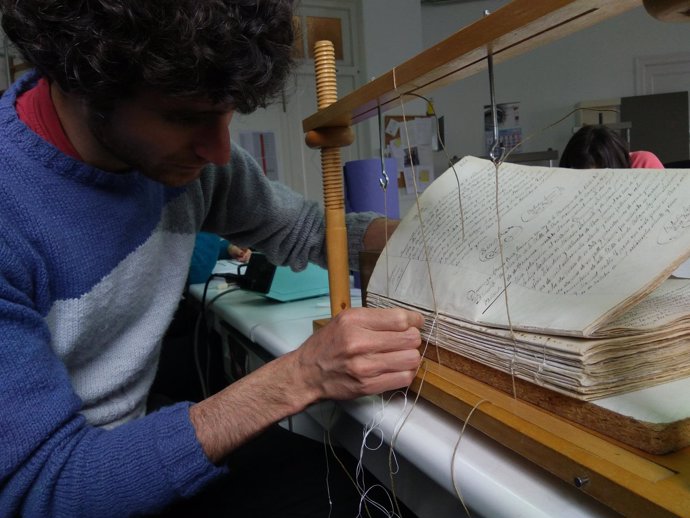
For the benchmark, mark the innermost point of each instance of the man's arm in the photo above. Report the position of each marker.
(250, 210)
(378, 232)
(360, 352)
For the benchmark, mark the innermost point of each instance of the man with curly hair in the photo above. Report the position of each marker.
(114, 152)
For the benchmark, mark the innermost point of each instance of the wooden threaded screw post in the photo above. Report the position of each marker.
(333, 192)
(669, 10)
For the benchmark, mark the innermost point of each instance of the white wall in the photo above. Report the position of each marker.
(391, 33)
(596, 63)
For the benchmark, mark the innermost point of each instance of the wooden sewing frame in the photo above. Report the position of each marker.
(627, 480)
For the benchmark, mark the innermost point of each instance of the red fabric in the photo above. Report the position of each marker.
(35, 108)
(645, 160)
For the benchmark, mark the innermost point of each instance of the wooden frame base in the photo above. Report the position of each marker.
(654, 438)
(631, 482)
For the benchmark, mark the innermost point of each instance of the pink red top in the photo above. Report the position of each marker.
(645, 160)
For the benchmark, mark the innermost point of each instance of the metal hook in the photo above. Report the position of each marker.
(383, 181)
(496, 151)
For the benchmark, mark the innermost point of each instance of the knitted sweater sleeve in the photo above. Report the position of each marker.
(52, 463)
(250, 210)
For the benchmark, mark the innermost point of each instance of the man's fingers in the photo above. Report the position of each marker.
(386, 362)
(379, 319)
(388, 381)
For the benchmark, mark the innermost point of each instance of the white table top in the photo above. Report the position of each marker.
(493, 480)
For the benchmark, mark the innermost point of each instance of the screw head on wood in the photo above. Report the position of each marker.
(580, 481)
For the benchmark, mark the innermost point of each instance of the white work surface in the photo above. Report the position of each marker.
(493, 481)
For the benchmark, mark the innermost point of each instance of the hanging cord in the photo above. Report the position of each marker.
(398, 428)
(375, 424)
(497, 153)
(451, 164)
(501, 158)
(405, 415)
(201, 319)
(416, 192)
(328, 446)
(554, 124)
(384, 183)
(504, 277)
(455, 451)
(498, 159)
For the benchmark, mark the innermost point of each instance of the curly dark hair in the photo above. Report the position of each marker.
(595, 146)
(105, 50)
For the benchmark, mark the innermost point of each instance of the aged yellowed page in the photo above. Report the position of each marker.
(653, 346)
(579, 246)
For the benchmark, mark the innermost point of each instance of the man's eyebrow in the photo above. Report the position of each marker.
(204, 108)
(194, 112)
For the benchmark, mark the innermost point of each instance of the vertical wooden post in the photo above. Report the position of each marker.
(669, 10)
(333, 192)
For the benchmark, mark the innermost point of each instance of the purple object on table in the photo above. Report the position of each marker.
(363, 191)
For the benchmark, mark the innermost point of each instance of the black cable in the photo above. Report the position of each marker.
(202, 320)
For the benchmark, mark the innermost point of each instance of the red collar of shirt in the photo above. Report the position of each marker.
(36, 109)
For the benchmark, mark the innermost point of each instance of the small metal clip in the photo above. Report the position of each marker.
(383, 181)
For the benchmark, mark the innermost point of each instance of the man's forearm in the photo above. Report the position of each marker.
(242, 410)
(378, 232)
(361, 351)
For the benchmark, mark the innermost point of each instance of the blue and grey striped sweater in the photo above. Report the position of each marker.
(92, 266)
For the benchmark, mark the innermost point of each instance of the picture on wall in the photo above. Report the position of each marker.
(508, 122)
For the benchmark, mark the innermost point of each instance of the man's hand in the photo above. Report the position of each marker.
(239, 254)
(361, 352)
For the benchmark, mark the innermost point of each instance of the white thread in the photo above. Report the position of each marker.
(384, 182)
(364, 492)
(326, 435)
(505, 280)
(497, 164)
(455, 451)
(419, 209)
(398, 428)
(450, 163)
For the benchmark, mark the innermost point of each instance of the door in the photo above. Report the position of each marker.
(298, 166)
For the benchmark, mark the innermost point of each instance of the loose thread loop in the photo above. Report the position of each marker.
(504, 156)
(498, 160)
(455, 451)
(383, 182)
(419, 209)
(504, 276)
(450, 162)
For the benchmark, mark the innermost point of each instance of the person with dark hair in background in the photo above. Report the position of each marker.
(599, 147)
(115, 152)
(596, 147)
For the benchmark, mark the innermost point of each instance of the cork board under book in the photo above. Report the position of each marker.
(657, 438)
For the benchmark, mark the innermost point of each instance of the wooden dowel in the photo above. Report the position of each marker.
(669, 10)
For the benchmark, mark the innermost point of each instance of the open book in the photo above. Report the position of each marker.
(575, 296)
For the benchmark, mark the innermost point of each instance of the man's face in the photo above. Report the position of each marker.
(168, 139)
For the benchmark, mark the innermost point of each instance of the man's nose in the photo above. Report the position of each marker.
(213, 141)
